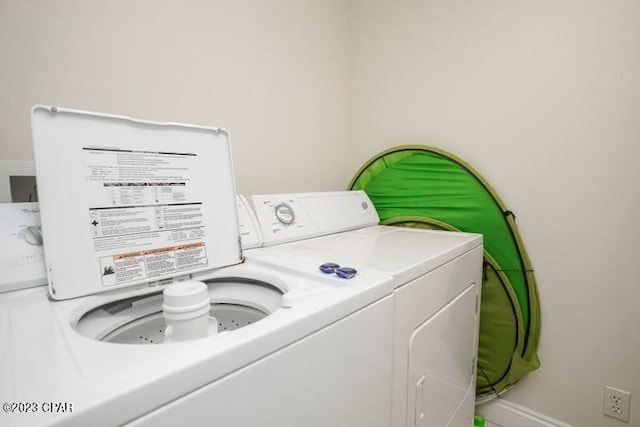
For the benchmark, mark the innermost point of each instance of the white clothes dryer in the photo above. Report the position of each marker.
(437, 279)
(135, 208)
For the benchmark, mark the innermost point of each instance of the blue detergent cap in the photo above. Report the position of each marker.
(342, 272)
(346, 272)
(329, 267)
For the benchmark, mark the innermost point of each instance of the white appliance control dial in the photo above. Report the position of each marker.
(285, 214)
(291, 217)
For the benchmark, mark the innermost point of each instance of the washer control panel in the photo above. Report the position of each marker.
(289, 217)
(21, 254)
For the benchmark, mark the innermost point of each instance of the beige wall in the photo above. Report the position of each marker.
(275, 73)
(543, 98)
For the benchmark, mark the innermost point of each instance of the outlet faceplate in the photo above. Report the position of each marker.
(616, 403)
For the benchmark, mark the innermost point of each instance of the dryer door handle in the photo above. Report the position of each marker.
(420, 401)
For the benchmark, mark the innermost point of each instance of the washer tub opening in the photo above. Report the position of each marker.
(235, 303)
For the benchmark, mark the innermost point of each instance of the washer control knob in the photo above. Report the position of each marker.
(285, 214)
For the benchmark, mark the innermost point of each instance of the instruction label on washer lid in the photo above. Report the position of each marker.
(143, 199)
(149, 264)
(127, 202)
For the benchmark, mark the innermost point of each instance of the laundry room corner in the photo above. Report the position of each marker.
(542, 99)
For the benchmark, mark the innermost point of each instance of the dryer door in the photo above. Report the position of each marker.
(442, 366)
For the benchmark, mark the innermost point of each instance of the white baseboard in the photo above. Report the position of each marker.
(508, 414)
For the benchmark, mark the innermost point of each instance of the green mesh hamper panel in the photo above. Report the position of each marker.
(425, 187)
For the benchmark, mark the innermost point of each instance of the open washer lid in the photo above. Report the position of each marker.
(125, 201)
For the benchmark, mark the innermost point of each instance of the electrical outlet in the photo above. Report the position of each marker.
(616, 403)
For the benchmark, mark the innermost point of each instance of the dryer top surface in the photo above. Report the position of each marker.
(404, 253)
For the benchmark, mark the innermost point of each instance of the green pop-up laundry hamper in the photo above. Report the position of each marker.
(419, 186)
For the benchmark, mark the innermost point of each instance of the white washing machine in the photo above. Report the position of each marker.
(437, 279)
(126, 214)
(21, 253)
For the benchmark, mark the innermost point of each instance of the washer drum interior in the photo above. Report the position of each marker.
(235, 303)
